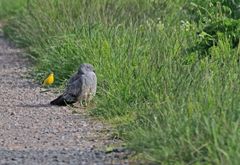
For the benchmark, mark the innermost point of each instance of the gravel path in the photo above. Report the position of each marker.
(33, 132)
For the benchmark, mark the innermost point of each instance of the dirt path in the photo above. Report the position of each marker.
(33, 132)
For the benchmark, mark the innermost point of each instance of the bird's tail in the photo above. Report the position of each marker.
(59, 101)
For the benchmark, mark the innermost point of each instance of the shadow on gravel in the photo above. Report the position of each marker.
(34, 105)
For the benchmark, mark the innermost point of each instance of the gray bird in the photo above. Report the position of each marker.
(81, 87)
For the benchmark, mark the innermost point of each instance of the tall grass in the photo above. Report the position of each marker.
(170, 110)
(9, 8)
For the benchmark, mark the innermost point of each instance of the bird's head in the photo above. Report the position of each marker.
(84, 68)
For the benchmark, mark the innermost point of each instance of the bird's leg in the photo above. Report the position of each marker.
(81, 103)
(85, 98)
(85, 103)
(88, 98)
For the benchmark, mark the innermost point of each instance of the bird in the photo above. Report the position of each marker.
(81, 87)
(49, 80)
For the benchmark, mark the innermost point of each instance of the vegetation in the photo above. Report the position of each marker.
(10, 7)
(168, 70)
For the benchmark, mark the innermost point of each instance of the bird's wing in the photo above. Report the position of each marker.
(74, 89)
(73, 78)
(72, 92)
(78, 87)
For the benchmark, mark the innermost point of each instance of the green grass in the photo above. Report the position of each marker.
(167, 104)
(9, 8)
